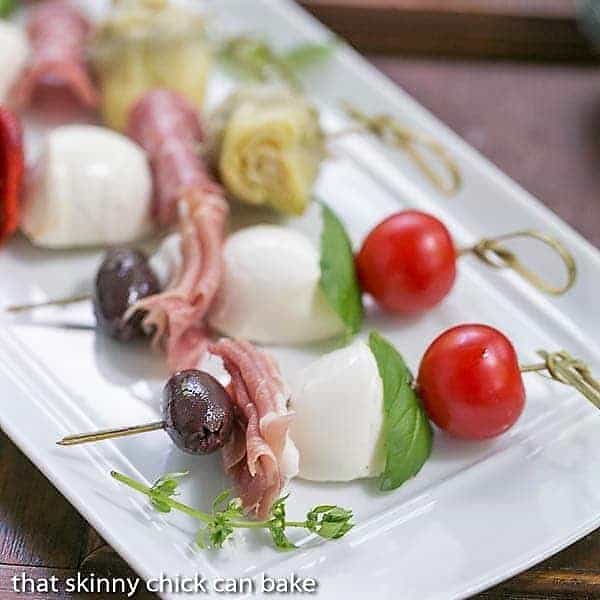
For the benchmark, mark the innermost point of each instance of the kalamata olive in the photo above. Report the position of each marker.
(197, 411)
(124, 277)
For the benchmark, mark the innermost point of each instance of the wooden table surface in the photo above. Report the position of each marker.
(539, 123)
(533, 29)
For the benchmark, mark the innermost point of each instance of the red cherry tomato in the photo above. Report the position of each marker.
(11, 172)
(408, 262)
(470, 382)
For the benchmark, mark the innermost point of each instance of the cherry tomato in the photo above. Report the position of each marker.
(408, 262)
(470, 382)
(11, 172)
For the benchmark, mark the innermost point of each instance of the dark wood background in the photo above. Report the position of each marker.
(532, 29)
(539, 122)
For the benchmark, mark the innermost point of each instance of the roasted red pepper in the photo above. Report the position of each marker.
(11, 172)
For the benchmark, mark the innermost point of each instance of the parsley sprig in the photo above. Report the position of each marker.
(328, 522)
(254, 59)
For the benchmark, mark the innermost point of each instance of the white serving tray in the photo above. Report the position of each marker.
(476, 514)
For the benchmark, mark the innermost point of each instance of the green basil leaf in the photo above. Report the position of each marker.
(7, 7)
(407, 432)
(338, 273)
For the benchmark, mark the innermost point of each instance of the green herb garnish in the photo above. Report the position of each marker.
(328, 522)
(407, 432)
(338, 273)
(7, 7)
(254, 59)
(306, 56)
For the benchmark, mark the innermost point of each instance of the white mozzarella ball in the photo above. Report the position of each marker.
(270, 289)
(90, 187)
(14, 49)
(338, 424)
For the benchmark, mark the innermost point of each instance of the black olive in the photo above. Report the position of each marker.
(124, 277)
(197, 411)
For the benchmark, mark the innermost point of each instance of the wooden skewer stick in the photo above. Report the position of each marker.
(59, 302)
(109, 434)
(493, 252)
(562, 367)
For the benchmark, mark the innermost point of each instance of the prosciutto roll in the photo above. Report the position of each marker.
(168, 129)
(57, 35)
(260, 457)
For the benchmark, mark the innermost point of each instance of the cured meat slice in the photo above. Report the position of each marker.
(57, 33)
(177, 315)
(168, 128)
(260, 457)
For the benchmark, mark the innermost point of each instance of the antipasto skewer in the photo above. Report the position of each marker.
(408, 261)
(469, 384)
(258, 452)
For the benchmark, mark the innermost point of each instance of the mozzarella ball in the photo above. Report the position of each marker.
(14, 49)
(270, 289)
(90, 187)
(338, 424)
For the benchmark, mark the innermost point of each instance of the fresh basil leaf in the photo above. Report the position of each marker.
(407, 432)
(338, 273)
(7, 7)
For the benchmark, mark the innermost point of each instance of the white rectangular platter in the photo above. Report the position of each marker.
(475, 515)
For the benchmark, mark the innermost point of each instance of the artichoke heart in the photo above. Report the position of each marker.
(267, 145)
(147, 44)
